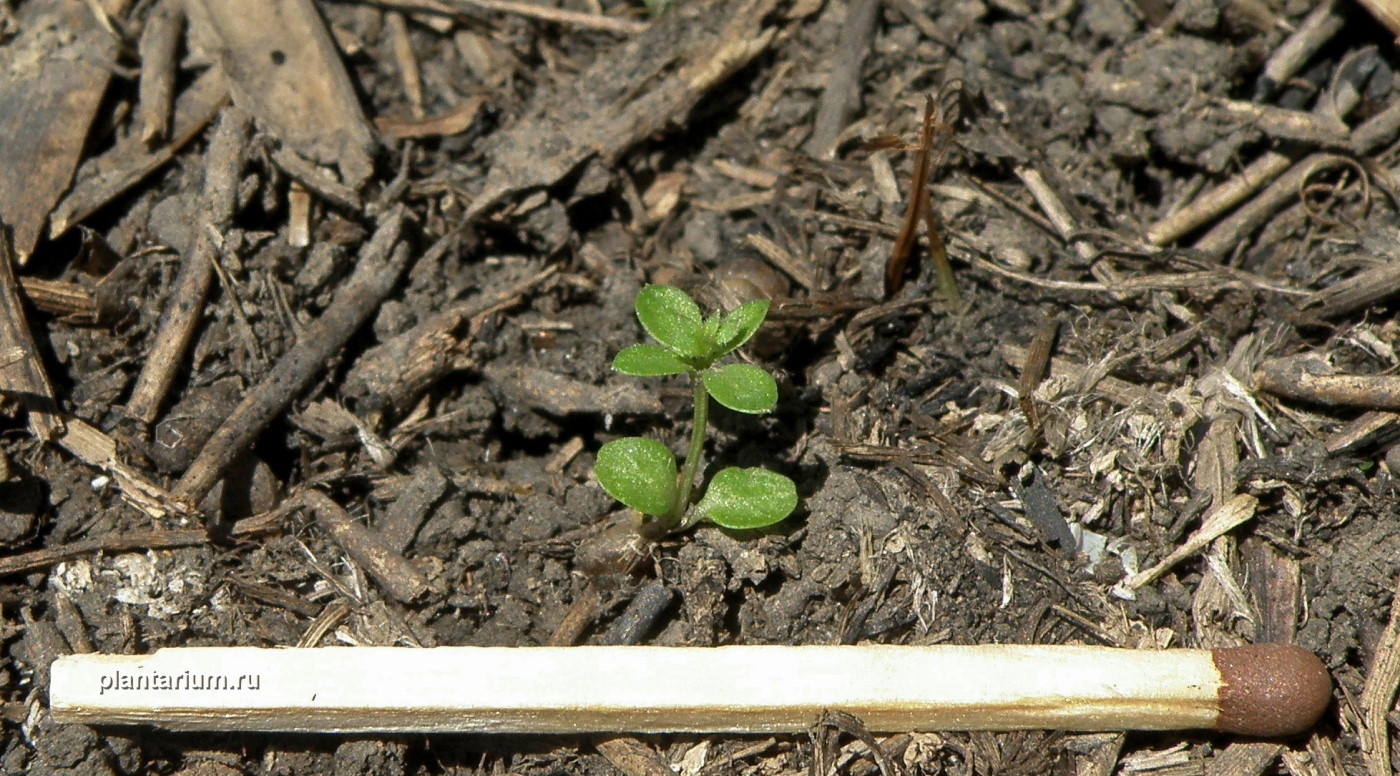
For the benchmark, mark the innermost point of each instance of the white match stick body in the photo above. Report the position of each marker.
(759, 689)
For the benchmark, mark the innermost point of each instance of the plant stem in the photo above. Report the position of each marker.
(938, 252)
(693, 454)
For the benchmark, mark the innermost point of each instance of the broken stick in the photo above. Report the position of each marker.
(1261, 690)
(1310, 377)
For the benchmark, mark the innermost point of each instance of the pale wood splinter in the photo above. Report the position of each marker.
(1262, 690)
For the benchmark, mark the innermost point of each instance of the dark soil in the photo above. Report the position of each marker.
(934, 509)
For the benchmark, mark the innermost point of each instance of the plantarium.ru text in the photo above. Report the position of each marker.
(642, 473)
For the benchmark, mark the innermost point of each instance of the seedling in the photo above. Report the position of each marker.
(934, 136)
(642, 473)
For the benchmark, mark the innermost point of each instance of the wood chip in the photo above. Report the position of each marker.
(1378, 696)
(60, 297)
(1243, 758)
(24, 377)
(626, 95)
(102, 179)
(1215, 524)
(401, 521)
(46, 107)
(286, 71)
(97, 449)
(453, 122)
(392, 571)
(1284, 123)
(633, 757)
(1114, 389)
(1387, 12)
(160, 40)
(1309, 377)
(1367, 428)
(391, 375)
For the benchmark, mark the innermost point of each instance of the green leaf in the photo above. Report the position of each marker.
(640, 473)
(741, 324)
(710, 331)
(747, 498)
(648, 361)
(742, 387)
(672, 318)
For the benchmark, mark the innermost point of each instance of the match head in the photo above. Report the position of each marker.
(1270, 690)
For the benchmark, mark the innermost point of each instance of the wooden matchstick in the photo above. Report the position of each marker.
(1262, 690)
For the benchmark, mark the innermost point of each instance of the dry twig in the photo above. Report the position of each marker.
(160, 40)
(841, 97)
(391, 570)
(1356, 292)
(185, 306)
(23, 378)
(633, 757)
(1378, 696)
(380, 262)
(1215, 524)
(1332, 105)
(137, 540)
(103, 178)
(1308, 377)
(391, 375)
(458, 9)
(1312, 34)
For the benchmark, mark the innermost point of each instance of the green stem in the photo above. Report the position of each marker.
(692, 455)
(938, 251)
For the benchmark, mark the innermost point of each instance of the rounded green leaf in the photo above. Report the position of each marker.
(640, 473)
(742, 387)
(741, 324)
(648, 361)
(747, 498)
(672, 318)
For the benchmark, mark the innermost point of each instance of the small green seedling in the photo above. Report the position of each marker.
(642, 473)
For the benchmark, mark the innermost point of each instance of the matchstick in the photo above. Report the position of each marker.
(1262, 690)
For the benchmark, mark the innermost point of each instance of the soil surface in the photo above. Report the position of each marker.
(1168, 225)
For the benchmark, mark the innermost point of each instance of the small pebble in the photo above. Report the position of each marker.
(745, 279)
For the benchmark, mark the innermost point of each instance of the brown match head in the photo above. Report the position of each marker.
(1270, 690)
